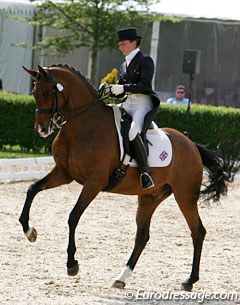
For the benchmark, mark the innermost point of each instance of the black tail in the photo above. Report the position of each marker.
(221, 171)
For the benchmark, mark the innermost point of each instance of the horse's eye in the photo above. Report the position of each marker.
(47, 93)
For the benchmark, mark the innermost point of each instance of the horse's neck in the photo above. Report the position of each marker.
(80, 94)
(94, 122)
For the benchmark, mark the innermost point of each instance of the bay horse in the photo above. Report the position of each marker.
(86, 150)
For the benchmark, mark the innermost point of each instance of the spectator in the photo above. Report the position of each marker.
(179, 98)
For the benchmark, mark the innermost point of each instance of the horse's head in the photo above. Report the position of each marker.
(50, 99)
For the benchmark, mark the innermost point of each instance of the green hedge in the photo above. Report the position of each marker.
(207, 124)
(17, 123)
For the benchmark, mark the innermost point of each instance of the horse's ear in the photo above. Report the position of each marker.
(42, 71)
(31, 72)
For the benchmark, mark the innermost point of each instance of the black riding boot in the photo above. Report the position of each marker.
(141, 158)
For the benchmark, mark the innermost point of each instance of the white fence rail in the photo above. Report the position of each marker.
(30, 168)
(25, 168)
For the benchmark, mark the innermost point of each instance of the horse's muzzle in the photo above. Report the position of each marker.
(44, 132)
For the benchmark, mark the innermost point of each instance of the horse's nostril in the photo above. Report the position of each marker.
(43, 129)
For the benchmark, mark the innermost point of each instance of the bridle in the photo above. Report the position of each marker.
(56, 112)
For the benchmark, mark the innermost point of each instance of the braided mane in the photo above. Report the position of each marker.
(78, 74)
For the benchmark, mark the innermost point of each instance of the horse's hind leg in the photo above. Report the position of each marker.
(55, 178)
(146, 207)
(188, 206)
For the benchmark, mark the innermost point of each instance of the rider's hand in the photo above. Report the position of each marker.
(117, 89)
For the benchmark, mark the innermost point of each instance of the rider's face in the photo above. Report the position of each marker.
(126, 46)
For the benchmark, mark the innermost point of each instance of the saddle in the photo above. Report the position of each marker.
(151, 135)
(126, 121)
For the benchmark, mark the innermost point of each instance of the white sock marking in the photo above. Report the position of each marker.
(126, 273)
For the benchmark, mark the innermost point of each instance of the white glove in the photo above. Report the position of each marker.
(117, 89)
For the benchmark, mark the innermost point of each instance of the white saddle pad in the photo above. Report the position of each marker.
(160, 147)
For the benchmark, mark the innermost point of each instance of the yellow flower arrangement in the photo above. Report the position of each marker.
(111, 78)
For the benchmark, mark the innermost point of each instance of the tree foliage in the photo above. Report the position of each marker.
(88, 23)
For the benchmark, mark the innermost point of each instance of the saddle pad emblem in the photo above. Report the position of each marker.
(163, 155)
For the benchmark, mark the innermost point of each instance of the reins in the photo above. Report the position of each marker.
(79, 111)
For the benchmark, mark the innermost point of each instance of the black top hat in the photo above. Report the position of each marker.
(127, 34)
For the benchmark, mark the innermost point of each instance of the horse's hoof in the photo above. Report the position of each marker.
(31, 234)
(118, 284)
(187, 286)
(74, 270)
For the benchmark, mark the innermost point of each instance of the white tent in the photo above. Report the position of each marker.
(205, 9)
(12, 58)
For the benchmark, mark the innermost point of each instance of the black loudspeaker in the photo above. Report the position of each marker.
(191, 61)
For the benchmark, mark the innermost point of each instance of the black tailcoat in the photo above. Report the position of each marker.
(137, 78)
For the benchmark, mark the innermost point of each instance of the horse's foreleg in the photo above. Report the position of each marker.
(146, 207)
(89, 192)
(52, 180)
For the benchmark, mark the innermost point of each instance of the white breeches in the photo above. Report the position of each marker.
(137, 105)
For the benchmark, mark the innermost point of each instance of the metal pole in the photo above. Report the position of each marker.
(154, 46)
(186, 132)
